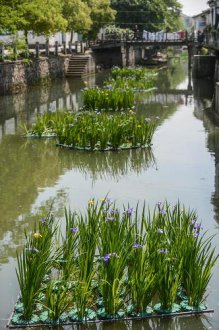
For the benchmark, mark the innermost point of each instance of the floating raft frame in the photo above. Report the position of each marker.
(131, 318)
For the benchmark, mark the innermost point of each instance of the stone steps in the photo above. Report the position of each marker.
(77, 65)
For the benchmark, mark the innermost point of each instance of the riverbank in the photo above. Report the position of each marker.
(17, 76)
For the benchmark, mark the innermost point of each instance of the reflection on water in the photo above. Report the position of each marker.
(34, 171)
(26, 166)
(181, 323)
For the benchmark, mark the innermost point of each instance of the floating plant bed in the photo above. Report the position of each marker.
(127, 147)
(39, 136)
(96, 131)
(10, 324)
(112, 100)
(87, 274)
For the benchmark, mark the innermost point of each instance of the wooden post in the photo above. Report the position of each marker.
(82, 47)
(37, 49)
(76, 47)
(2, 53)
(15, 52)
(64, 47)
(189, 57)
(69, 46)
(56, 48)
(47, 48)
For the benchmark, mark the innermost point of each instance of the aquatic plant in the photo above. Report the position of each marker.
(69, 246)
(199, 259)
(136, 73)
(97, 99)
(57, 300)
(99, 131)
(35, 262)
(113, 260)
(131, 83)
(135, 79)
(142, 278)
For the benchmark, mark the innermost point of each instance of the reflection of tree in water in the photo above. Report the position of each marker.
(213, 147)
(172, 76)
(24, 168)
(163, 102)
(153, 110)
(29, 165)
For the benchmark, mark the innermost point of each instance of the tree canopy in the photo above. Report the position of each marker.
(87, 16)
(153, 15)
(50, 16)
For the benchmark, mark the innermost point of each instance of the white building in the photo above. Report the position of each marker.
(202, 20)
(60, 37)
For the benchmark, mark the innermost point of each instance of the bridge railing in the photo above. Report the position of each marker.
(144, 36)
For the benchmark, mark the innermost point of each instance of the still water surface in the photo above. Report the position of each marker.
(183, 165)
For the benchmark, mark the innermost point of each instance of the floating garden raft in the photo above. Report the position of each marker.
(160, 266)
(132, 79)
(95, 131)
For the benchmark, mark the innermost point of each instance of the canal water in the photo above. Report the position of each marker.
(183, 165)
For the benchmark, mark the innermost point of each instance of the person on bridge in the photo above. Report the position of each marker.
(136, 32)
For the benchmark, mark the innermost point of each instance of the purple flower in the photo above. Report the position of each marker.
(163, 251)
(197, 226)
(162, 211)
(106, 258)
(159, 205)
(129, 211)
(74, 230)
(137, 246)
(147, 120)
(43, 220)
(193, 222)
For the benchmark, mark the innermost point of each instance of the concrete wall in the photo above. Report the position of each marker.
(115, 56)
(109, 57)
(216, 100)
(91, 65)
(203, 66)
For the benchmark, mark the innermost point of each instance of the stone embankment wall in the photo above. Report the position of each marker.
(16, 76)
(203, 66)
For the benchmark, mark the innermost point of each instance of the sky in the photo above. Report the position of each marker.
(193, 7)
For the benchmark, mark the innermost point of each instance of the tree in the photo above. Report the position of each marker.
(154, 15)
(101, 15)
(77, 13)
(39, 16)
(9, 16)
